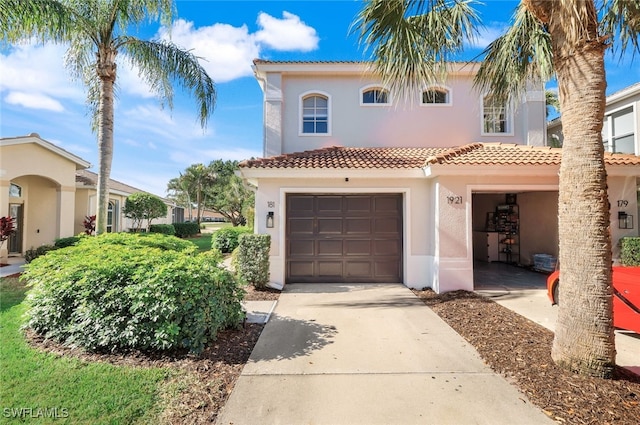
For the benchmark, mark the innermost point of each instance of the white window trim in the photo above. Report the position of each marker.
(379, 87)
(441, 87)
(608, 116)
(301, 133)
(509, 119)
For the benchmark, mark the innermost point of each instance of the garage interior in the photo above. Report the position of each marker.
(515, 238)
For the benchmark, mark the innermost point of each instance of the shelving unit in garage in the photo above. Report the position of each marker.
(508, 226)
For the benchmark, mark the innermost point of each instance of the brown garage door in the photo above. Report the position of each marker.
(344, 238)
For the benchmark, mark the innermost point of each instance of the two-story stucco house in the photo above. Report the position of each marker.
(359, 185)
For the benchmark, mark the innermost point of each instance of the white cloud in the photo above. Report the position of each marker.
(34, 76)
(33, 101)
(488, 34)
(228, 52)
(287, 34)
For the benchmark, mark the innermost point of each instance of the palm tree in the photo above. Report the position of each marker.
(411, 42)
(197, 178)
(96, 32)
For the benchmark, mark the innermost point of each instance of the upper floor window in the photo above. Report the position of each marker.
(374, 96)
(496, 117)
(618, 132)
(436, 96)
(315, 114)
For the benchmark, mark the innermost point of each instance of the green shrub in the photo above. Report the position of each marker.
(165, 229)
(33, 253)
(630, 251)
(185, 230)
(252, 260)
(226, 239)
(125, 291)
(65, 242)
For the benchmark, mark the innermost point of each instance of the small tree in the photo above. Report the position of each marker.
(89, 224)
(144, 206)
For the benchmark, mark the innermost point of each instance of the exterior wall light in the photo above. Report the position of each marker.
(625, 221)
(270, 220)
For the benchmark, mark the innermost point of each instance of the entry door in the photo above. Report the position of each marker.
(344, 238)
(15, 240)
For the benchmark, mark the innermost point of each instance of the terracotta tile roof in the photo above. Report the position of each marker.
(408, 158)
(342, 157)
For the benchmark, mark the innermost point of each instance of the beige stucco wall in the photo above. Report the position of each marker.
(352, 124)
(47, 180)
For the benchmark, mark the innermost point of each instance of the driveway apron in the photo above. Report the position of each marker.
(367, 354)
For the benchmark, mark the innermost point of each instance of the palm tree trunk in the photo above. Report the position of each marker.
(584, 338)
(106, 69)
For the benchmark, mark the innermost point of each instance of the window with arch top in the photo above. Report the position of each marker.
(315, 114)
(374, 95)
(436, 96)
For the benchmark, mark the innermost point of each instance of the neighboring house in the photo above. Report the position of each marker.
(50, 191)
(621, 126)
(358, 185)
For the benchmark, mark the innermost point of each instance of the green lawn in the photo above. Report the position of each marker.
(203, 242)
(36, 384)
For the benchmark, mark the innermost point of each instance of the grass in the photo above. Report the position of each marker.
(203, 242)
(37, 384)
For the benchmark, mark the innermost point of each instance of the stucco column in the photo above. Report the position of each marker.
(66, 208)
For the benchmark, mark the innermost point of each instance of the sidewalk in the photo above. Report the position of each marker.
(367, 354)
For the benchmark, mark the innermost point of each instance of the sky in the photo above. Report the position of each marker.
(153, 144)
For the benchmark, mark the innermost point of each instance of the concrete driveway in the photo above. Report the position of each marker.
(367, 354)
(525, 292)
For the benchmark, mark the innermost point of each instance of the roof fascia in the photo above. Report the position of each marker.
(49, 146)
(253, 174)
(436, 170)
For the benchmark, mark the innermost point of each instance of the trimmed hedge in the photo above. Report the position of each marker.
(252, 259)
(65, 242)
(33, 253)
(165, 229)
(185, 230)
(630, 251)
(225, 240)
(125, 291)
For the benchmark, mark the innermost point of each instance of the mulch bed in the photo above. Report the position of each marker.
(261, 294)
(520, 350)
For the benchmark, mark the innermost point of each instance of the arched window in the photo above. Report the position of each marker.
(436, 96)
(112, 217)
(315, 114)
(374, 95)
(15, 191)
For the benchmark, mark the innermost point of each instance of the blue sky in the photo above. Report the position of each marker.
(153, 145)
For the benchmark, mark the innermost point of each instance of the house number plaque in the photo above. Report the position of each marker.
(454, 200)
(623, 203)
(271, 204)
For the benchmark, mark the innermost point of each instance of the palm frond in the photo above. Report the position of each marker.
(621, 21)
(520, 57)
(161, 62)
(412, 41)
(44, 20)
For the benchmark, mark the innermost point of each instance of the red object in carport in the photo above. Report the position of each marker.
(626, 296)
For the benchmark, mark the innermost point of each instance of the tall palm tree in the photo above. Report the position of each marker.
(96, 32)
(197, 178)
(411, 42)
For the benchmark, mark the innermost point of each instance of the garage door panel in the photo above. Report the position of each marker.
(329, 226)
(299, 269)
(359, 205)
(386, 225)
(301, 226)
(329, 205)
(357, 247)
(357, 225)
(344, 238)
(358, 269)
(386, 247)
(300, 247)
(330, 247)
(329, 269)
(387, 268)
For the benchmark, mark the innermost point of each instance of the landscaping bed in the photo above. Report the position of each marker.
(520, 350)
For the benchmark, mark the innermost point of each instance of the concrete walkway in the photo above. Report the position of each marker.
(367, 354)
